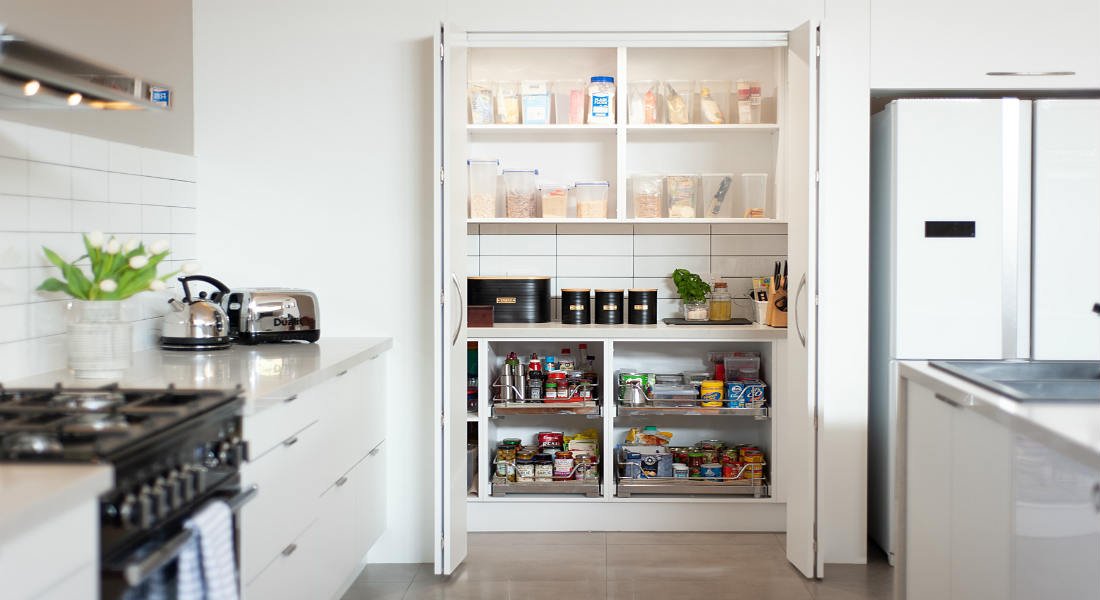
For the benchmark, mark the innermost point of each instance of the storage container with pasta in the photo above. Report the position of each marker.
(647, 195)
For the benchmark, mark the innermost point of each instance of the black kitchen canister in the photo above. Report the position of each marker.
(609, 307)
(576, 306)
(642, 307)
(514, 299)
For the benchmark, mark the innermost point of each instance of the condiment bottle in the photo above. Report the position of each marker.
(565, 361)
(721, 304)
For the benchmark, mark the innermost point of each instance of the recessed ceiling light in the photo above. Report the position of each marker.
(31, 87)
(75, 98)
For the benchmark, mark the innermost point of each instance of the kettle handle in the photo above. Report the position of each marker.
(222, 288)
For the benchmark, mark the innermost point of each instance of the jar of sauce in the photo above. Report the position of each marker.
(563, 466)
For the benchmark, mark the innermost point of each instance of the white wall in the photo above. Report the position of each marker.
(314, 136)
(147, 39)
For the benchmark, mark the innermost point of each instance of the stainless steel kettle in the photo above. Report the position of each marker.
(196, 323)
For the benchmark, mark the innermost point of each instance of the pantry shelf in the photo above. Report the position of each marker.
(697, 127)
(625, 488)
(587, 489)
(547, 408)
(496, 128)
(759, 414)
(567, 221)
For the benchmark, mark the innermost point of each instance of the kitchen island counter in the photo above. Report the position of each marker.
(1070, 427)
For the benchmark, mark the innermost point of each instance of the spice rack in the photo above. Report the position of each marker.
(503, 488)
(668, 486)
(503, 409)
(760, 414)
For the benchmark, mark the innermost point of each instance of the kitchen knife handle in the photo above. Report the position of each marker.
(461, 309)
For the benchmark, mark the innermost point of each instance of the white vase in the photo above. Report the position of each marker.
(99, 340)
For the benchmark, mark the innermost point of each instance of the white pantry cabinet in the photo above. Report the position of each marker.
(318, 461)
(985, 44)
(783, 146)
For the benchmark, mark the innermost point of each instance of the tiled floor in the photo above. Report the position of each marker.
(578, 566)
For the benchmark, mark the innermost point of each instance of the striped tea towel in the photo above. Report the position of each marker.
(207, 566)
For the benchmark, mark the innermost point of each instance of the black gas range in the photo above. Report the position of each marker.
(172, 451)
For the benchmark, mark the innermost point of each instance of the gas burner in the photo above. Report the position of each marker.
(22, 445)
(97, 400)
(98, 423)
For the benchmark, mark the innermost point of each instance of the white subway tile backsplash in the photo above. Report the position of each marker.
(49, 214)
(49, 145)
(13, 213)
(54, 186)
(750, 245)
(594, 245)
(473, 266)
(671, 229)
(473, 243)
(595, 266)
(125, 218)
(156, 219)
(663, 245)
(665, 287)
(525, 245)
(185, 220)
(91, 153)
(744, 266)
(125, 189)
(593, 283)
(49, 180)
(750, 228)
(663, 266)
(517, 265)
(13, 176)
(90, 184)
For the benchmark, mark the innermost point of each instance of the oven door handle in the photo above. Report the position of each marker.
(138, 570)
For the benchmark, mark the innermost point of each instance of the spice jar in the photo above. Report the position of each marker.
(563, 466)
(544, 468)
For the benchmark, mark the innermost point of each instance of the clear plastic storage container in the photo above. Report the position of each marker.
(714, 102)
(644, 102)
(601, 100)
(520, 193)
(717, 196)
(749, 101)
(591, 199)
(682, 196)
(647, 194)
(754, 195)
(536, 102)
(508, 102)
(480, 94)
(555, 200)
(569, 101)
(679, 101)
(483, 188)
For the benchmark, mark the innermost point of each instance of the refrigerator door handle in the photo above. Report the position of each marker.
(1016, 232)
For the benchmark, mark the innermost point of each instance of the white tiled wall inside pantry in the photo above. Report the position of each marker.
(625, 256)
(56, 185)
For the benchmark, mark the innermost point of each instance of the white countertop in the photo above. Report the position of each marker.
(1071, 428)
(268, 373)
(660, 331)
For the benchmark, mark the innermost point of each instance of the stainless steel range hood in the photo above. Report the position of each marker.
(35, 76)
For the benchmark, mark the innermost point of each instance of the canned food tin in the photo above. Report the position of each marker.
(550, 438)
(732, 470)
(710, 471)
(609, 307)
(680, 471)
(711, 392)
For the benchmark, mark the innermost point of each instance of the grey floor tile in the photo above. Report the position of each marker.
(566, 538)
(556, 590)
(449, 589)
(695, 562)
(377, 590)
(676, 538)
(531, 563)
(377, 572)
(739, 589)
(873, 581)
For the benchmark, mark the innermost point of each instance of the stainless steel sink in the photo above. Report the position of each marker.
(1031, 381)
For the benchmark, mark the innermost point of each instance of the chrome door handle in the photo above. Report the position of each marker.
(291, 398)
(291, 441)
(1030, 73)
(342, 373)
(340, 482)
(461, 309)
(947, 400)
(797, 325)
(289, 549)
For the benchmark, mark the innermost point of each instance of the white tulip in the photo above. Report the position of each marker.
(130, 245)
(190, 268)
(158, 246)
(139, 261)
(95, 238)
(108, 285)
(157, 285)
(113, 246)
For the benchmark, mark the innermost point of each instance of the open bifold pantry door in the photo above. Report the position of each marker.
(782, 147)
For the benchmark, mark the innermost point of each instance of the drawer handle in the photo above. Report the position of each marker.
(1096, 496)
(375, 451)
(291, 398)
(947, 400)
(1031, 73)
(340, 482)
(290, 442)
(342, 373)
(290, 549)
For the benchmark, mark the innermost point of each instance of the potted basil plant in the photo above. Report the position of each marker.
(99, 340)
(693, 294)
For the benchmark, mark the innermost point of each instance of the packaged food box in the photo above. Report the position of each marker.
(745, 394)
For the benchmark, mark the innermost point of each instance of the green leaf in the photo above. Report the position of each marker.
(691, 287)
(54, 258)
(53, 285)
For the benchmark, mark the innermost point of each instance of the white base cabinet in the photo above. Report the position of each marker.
(54, 559)
(319, 465)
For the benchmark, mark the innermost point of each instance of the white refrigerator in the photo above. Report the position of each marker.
(985, 221)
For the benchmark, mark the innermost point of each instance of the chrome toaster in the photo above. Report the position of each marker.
(258, 315)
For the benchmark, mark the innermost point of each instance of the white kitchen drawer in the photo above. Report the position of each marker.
(353, 415)
(340, 507)
(371, 490)
(294, 574)
(287, 501)
(82, 585)
(33, 561)
(373, 383)
(270, 427)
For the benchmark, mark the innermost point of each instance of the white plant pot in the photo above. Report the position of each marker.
(99, 340)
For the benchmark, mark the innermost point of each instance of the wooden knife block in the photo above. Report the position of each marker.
(776, 317)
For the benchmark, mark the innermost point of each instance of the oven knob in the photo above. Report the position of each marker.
(188, 477)
(160, 498)
(127, 512)
(224, 453)
(175, 489)
(143, 509)
(200, 478)
(211, 461)
(237, 452)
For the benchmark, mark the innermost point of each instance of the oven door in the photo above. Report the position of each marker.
(148, 569)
